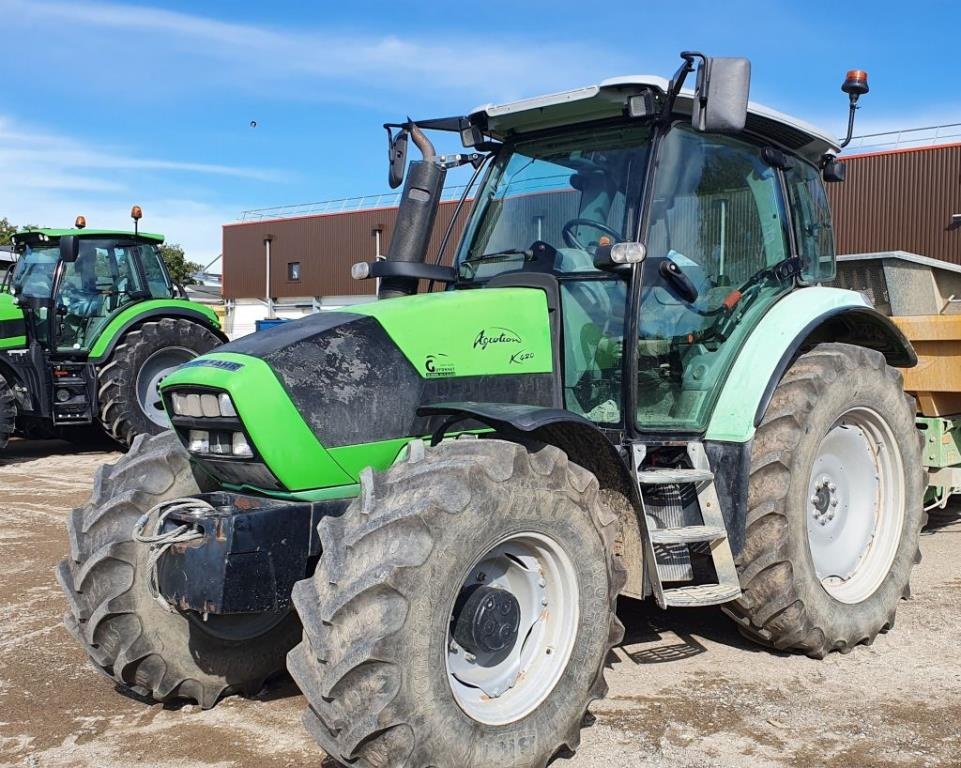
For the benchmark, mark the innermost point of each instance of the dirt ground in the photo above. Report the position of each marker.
(686, 690)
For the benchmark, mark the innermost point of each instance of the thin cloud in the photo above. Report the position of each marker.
(336, 56)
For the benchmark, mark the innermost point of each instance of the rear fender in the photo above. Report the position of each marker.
(794, 325)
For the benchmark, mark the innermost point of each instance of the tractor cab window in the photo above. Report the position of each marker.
(158, 282)
(718, 254)
(812, 221)
(569, 192)
(34, 273)
(103, 279)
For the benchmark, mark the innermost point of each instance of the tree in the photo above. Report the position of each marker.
(7, 231)
(181, 270)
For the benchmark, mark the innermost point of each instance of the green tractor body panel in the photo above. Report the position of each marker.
(125, 318)
(733, 417)
(469, 333)
(326, 396)
(13, 330)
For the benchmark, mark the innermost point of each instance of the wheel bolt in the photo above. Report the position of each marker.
(814, 499)
(834, 502)
(832, 487)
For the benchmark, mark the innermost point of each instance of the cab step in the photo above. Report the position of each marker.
(673, 476)
(701, 594)
(667, 549)
(689, 534)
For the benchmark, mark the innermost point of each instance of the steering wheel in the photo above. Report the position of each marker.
(568, 232)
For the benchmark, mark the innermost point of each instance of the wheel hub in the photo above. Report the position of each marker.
(512, 628)
(488, 621)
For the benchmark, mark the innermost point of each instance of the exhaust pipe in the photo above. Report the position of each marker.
(415, 215)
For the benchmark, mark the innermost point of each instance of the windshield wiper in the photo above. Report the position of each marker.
(527, 254)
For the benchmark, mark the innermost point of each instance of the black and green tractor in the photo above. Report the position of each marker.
(90, 323)
(426, 508)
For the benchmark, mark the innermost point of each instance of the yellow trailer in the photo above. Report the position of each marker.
(922, 297)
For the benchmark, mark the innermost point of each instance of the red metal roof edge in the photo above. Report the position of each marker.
(903, 150)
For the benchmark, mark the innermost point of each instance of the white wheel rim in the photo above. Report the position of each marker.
(855, 505)
(154, 370)
(496, 689)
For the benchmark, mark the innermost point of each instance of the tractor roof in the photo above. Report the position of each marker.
(39, 235)
(609, 99)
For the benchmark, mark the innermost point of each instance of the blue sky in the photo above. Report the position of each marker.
(108, 104)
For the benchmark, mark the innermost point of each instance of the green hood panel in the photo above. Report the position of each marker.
(283, 439)
(158, 307)
(13, 329)
(468, 333)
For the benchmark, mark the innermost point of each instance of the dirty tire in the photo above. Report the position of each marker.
(376, 611)
(126, 633)
(784, 604)
(120, 412)
(8, 412)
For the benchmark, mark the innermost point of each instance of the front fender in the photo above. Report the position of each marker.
(798, 321)
(153, 309)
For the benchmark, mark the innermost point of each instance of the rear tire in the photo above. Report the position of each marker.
(8, 412)
(128, 401)
(813, 582)
(127, 634)
(375, 661)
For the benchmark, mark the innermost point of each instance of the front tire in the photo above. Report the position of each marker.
(127, 391)
(128, 635)
(382, 613)
(834, 505)
(8, 412)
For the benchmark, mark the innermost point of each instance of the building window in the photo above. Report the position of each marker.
(293, 270)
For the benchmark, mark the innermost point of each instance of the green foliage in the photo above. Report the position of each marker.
(6, 231)
(181, 270)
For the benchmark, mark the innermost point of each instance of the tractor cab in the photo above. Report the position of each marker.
(69, 282)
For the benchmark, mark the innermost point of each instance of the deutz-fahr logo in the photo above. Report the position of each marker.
(496, 336)
(437, 366)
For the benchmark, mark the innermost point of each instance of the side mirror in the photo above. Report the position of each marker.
(721, 94)
(396, 157)
(69, 248)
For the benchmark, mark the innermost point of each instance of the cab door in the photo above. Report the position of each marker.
(718, 256)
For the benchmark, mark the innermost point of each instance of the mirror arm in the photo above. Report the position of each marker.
(677, 82)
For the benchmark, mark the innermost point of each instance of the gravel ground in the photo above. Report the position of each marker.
(686, 690)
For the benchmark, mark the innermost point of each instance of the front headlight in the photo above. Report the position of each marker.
(199, 406)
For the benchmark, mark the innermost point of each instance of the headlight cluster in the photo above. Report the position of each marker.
(219, 443)
(191, 409)
(203, 405)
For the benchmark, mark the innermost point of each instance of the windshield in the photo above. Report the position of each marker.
(33, 274)
(573, 192)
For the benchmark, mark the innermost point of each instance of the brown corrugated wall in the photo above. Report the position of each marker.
(325, 245)
(900, 201)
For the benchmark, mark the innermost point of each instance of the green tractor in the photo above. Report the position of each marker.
(425, 508)
(90, 323)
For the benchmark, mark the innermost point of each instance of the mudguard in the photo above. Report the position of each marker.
(801, 319)
(153, 309)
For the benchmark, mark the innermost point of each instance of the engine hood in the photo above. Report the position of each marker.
(347, 384)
